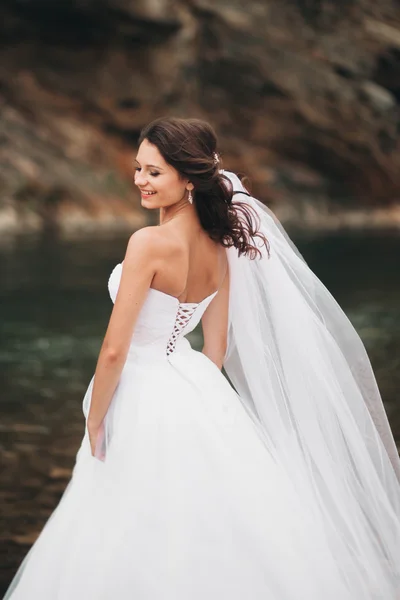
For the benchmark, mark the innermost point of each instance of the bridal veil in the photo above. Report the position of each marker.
(303, 374)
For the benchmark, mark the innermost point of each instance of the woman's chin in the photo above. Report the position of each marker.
(148, 204)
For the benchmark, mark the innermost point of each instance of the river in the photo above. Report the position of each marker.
(54, 311)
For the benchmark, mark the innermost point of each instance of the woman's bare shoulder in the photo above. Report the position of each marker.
(155, 241)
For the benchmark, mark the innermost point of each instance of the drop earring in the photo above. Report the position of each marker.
(190, 197)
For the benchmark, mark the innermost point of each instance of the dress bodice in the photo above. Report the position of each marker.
(163, 321)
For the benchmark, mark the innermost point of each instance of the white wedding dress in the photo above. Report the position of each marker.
(284, 488)
(190, 504)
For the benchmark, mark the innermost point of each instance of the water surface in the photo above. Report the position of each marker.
(54, 312)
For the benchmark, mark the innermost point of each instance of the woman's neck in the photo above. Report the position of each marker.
(170, 213)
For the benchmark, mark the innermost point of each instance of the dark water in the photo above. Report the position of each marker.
(54, 312)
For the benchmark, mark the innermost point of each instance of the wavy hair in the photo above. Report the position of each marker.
(189, 145)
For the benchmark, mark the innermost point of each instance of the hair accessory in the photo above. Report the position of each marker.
(216, 158)
(190, 197)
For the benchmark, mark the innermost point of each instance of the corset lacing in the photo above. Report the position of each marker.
(183, 316)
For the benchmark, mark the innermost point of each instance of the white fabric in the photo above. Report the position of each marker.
(207, 494)
(301, 368)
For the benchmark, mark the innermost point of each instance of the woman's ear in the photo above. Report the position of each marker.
(190, 186)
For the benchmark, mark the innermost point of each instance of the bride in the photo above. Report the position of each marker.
(281, 483)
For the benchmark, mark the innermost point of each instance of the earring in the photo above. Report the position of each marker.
(190, 197)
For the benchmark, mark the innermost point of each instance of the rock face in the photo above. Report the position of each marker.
(304, 95)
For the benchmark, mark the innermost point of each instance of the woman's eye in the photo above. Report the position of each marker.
(152, 174)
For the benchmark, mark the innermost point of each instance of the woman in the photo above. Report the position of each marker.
(286, 487)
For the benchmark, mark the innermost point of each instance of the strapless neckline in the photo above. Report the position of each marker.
(184, 303)
(174, 298)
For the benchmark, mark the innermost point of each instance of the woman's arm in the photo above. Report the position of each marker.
(215, 325)
(139, 267)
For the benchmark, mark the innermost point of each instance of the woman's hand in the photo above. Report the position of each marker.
(97, 441)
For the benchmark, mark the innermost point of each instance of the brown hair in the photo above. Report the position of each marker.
(189, 145)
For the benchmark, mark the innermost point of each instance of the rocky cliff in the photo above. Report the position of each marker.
(303, 93)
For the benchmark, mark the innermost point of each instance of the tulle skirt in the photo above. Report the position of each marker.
(191, 503)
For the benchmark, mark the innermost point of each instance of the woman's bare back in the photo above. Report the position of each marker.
(193, 266)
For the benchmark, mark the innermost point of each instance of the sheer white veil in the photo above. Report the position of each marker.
(303, 373)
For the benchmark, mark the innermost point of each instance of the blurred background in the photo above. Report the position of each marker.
(304, 96)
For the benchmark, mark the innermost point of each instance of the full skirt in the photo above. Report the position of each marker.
(190, 503)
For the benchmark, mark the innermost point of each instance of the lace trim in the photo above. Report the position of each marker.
(183, 316)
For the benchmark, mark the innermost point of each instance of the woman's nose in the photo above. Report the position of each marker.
(139, 179)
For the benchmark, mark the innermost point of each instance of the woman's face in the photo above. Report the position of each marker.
(159, 183)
